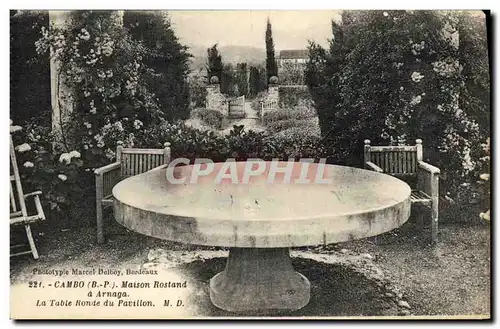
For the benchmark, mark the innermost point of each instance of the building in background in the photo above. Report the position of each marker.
(291, 66)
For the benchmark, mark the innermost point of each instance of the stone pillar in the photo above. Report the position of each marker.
(61, 94)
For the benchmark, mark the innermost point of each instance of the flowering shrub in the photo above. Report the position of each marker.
(103, 66)
(281, 125)
(299, 142)
(396, 76)
(60, 177)
(213, 118)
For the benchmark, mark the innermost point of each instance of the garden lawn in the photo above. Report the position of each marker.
(452, 278)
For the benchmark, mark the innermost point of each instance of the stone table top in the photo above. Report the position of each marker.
(354, 204)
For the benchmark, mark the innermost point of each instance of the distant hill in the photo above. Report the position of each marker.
(230, 54)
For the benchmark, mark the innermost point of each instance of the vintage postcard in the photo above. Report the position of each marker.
(203, 164)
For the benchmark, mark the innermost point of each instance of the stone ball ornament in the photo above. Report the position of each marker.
(214, 80)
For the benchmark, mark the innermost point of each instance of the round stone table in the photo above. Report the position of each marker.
(259, 218)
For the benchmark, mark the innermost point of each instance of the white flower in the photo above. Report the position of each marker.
(28, 164)
(118, 125)
(485, 176)
(65, 157)
(23, 148)
(13, 129)
(416, 100)
(416, 76)
(138, 124)
(485, 216)
(386, 14)
(74, 154)
(84, 35)
(401, 88)
(62, 177)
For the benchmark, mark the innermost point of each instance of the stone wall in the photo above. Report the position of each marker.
(215, 99)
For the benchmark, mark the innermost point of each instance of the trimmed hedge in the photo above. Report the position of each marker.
(213, 118)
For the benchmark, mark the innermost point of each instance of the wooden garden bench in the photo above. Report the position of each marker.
(406, 163)
(129, 162)
(18, 210)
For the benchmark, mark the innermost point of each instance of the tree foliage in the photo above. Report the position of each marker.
(253, 81)
(242, 78)
(227, 80)
(396, 76)
(214, 63)
(29, 73)
(167, 58)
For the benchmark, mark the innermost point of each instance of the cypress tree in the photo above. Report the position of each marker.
(253, 81)
(214, 63)
(271, 66)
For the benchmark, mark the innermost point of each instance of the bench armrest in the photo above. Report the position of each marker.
(429, 168)
(108, 168)
(38, 204)
(32, 194)
(159, 167)
(428, 179)
(370, 165)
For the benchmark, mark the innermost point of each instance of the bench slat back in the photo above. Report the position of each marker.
(137, 161)
(395, 160)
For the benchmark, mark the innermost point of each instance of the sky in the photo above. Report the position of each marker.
(291, 29)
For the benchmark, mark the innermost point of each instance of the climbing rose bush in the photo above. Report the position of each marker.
(103, 67)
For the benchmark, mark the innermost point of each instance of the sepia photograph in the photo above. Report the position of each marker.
(250, 164)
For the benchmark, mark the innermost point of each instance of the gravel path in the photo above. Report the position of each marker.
(452, 278)
(251, 121)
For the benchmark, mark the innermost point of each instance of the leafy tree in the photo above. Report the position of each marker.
(396, 76)
(271, 65)
(214, 63)
(166, 57)
(30, 73)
